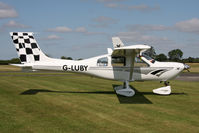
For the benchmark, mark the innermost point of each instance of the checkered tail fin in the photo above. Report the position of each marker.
(27, 48)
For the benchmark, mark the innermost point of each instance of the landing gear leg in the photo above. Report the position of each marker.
(166, 83)
(125, 90)
(163, 90)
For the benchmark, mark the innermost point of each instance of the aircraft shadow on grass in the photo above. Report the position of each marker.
(139, 98)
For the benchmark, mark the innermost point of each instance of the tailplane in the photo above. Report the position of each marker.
(27, 48)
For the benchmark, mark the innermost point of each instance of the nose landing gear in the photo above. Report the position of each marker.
(163, 90)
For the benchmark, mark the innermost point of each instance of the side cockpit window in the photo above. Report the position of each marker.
(102, 61)
(140, 63)
(148, 58)
(118, 61)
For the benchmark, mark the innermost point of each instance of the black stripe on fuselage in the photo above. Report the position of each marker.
(157, 71)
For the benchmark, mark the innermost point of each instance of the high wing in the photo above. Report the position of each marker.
(129, 52)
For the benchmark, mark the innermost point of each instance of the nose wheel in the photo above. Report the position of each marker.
(163, 90)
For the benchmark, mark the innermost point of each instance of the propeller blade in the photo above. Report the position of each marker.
(186, 67)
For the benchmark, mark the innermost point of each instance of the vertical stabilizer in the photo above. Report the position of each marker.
(27, 48)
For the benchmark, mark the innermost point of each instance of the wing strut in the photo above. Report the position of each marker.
(132, 60)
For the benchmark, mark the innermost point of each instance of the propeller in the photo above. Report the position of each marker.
(186, 67)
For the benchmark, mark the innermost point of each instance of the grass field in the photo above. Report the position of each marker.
(4, 68)
(67, 102)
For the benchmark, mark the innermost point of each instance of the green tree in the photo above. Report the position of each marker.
(175, 55)
(151, 52)
(15, 61)
(190, 59)
(66, 58)
(11, 61)
(161, 57)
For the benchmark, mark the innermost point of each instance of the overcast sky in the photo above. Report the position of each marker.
(83, 28)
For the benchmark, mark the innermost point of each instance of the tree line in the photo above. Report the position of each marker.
(173, 55)
(17, 60)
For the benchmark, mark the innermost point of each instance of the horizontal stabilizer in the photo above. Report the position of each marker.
(21, 65)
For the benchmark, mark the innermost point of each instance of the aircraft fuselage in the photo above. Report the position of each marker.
(161, 71)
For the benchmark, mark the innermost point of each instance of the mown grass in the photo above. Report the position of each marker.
(9, 68)
(80, 103)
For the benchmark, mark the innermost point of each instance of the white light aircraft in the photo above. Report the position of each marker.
(123, 63)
